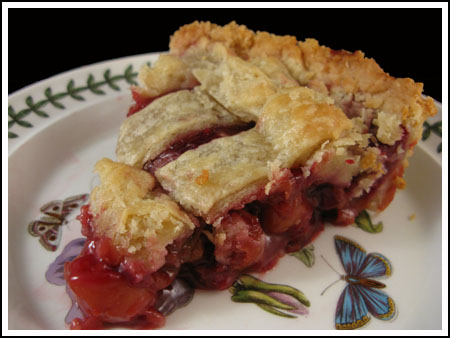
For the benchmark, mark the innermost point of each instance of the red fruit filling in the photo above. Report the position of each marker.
(141, 101)
(191, 141)
(112, 289)
(103, 292)
(239, 240)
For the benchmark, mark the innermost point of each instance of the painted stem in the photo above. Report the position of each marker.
(253, 283)
(251, 296)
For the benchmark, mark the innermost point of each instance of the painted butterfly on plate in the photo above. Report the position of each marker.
(361, 294)
(48, 228)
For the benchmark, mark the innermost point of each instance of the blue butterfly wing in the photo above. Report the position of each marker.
(375, 265)
(352, 255)
(351, 310)
(377, 302)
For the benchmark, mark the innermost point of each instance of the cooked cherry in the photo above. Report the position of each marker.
(140, 100)
(284, 210)
(105, 293)
(239, 240)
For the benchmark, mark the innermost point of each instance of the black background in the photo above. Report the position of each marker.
(45, 42)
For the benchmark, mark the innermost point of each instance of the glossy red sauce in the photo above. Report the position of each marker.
(103, 293)
(141, 101)
(108, 292)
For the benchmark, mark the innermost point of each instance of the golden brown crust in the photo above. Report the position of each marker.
(238, 85)
(320, 68)
(137, 219)
(237, 38)
(168, 73)
(297, 121)
(293, 124)
(147, 133)
(357, 74)
(313, 106)
(236, 165)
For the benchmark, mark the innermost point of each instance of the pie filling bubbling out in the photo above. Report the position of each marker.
(238, 149)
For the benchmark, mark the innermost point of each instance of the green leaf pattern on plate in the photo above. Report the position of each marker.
(270, 297)
(435, 128)
(306, 255)
(364, 222)
(72, 91)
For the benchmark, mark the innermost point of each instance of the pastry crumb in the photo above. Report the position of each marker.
(412, 217)
(369, 160)
(400, 182)
(220, 238)
(203, 178)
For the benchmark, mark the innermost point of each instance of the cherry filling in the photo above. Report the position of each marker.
(141, 101)
(114, 290)
(103, 292)
(190, 141)
(239, 240)
(110, 294)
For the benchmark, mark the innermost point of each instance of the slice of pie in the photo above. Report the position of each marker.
(239, 146)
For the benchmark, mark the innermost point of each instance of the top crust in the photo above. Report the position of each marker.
(297, 121)
(138, 219)
(144, 135)
(235, 37)
(235, 166)
(311, 104)
(168, 74)
(355, 74)
(292, 125)
(239, 86)
(320, 68)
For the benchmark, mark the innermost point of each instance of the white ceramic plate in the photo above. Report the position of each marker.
(52, 158)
